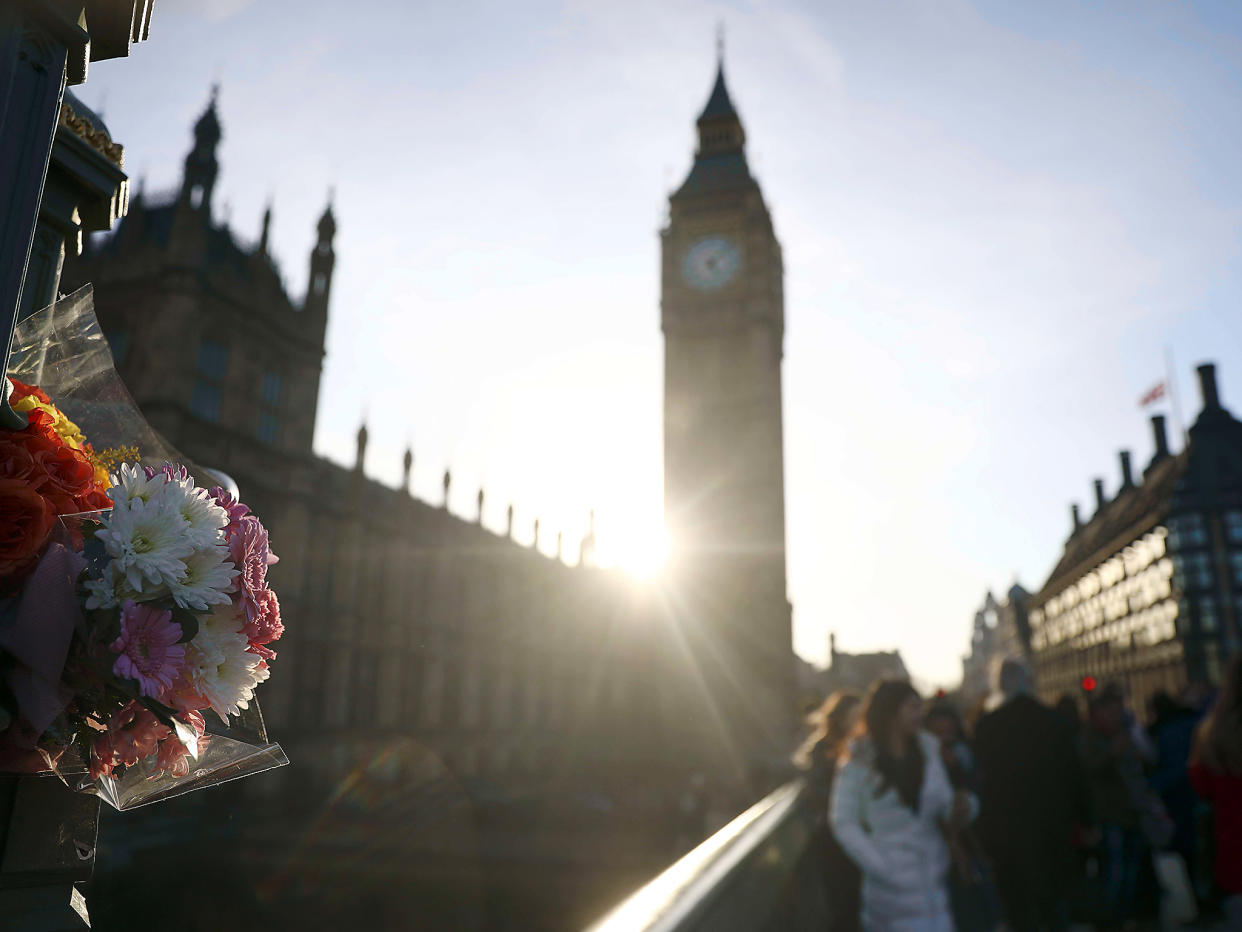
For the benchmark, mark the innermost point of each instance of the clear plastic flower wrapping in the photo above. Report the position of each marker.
(62, 350)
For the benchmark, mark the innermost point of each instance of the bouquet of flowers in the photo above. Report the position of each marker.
(134, 609)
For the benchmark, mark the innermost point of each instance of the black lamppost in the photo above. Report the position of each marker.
(47, 833)
(45, 45)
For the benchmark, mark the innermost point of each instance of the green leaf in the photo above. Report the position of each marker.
(126, 686)
(188, 621)
(94, 552)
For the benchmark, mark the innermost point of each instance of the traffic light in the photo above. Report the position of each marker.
(1088, 683)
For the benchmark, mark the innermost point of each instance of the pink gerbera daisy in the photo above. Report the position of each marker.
(148, 647)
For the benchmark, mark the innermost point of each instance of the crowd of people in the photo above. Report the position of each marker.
(1032, 817)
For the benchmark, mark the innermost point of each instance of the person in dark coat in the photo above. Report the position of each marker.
(1114, 753)
(833, 724)
(1032, 793)
(1172, 733)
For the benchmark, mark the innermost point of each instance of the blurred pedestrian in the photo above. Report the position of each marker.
(1172, 734)
(972, 888)
(1114, 762)
(944, 722)
(1216, 774)
(1032, 793)
(890, 804)
(833, 724)
(1067, 708)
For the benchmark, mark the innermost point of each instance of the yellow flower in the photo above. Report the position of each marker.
(65, 429)
(105, 461)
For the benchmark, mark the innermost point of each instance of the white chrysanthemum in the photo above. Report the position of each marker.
(113, 588)
(207, 578)
(204, 519)
(130, 483)
(103, 593)
(222, 619)
(224, 672)
(147, 542)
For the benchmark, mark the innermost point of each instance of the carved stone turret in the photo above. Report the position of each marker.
(198, 182)
(322, 263)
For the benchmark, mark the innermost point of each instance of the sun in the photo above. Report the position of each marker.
(640, 551)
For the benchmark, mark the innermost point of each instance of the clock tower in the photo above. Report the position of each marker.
(723, 318)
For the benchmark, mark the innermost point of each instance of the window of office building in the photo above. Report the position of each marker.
(1233, 526)
(1188, 530)
(1193, 571)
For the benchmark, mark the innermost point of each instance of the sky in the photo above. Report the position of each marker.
(999, 221)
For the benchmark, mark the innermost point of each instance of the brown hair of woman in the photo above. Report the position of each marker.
(833, 723)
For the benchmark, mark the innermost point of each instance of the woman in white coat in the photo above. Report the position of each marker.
(890, 807)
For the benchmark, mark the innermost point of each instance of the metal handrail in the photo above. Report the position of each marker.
(683, 893)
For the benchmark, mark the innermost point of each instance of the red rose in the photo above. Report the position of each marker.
(94, 500)
(26, 521)
(22, 390)
(16, 461)
(34, 440)
(69, 475)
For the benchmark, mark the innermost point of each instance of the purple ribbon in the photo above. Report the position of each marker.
(39, 635)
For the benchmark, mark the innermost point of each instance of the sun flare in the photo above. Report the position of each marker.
(640, 551)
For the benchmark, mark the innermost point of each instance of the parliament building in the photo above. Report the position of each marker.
(475, 729)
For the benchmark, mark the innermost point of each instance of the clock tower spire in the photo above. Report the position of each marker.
(722, 314)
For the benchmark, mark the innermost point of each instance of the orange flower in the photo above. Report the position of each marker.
(26, 520)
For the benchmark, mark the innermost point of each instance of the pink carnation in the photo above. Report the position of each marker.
(249, 551)
(264, 627)
(262, 651)
(133, 733)
(183, 696)
(148, 647)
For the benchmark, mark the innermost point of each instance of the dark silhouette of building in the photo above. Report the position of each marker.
(723, 317)
(1148, 591)
(859, 671)
(466, 718)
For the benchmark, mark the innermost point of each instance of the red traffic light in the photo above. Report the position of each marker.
(1088, 683)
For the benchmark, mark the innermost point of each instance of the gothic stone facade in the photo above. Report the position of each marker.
(451, 679)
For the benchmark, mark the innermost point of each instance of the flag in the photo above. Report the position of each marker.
(1154, 394)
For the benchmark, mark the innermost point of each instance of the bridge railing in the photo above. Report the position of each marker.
(759, 872)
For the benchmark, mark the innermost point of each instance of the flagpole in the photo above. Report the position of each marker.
(1170, 375)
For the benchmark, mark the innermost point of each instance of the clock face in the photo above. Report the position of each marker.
(711, 263)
